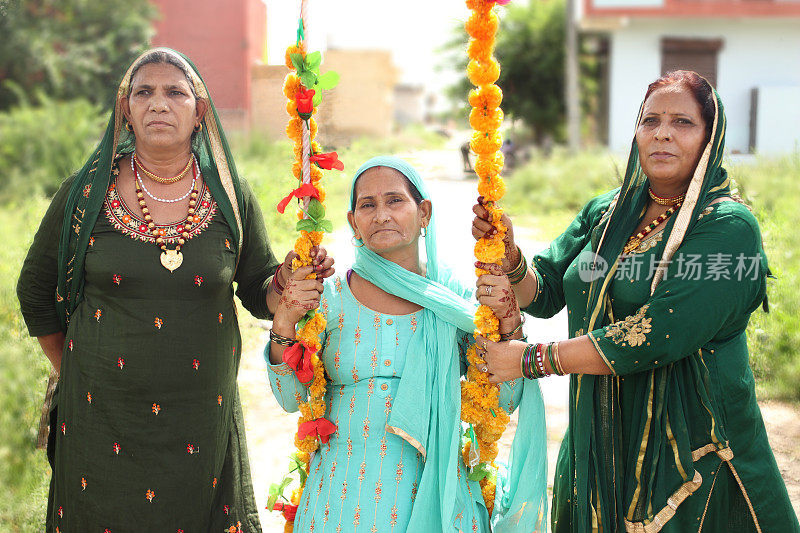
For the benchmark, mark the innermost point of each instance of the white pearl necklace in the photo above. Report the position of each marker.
(164, 200)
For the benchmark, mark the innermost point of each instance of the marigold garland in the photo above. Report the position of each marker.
(479, 398)
(311, 225)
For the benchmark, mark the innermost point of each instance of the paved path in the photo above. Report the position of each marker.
(270, 431)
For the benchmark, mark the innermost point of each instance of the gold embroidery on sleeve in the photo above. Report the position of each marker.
(633, 329)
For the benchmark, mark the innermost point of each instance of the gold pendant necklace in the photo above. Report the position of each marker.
(170, 259)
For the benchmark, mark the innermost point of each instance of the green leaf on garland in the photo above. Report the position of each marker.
(307, 78)
(313, 61)
(306, 224)
(276, 491)
(297, 61)
(306, 317)
(315, 209)
(326, 225)
(297, 465)
(328, 80)
(317, 98)
(479, 472)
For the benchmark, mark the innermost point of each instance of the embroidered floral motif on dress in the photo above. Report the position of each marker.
(123, 219)
(633, 329)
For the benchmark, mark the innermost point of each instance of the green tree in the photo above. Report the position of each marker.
(69, 48)
(531, 50)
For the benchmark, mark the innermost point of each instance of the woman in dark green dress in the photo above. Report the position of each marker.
(659, 279)
(129, 287)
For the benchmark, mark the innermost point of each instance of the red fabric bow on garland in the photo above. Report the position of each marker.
(307, 189)
(289, 510)
(322, 427)
(298, 357)
(327, 161)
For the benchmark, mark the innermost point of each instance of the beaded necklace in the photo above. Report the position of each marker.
(140, 182)
(636, 240)
(170, 259)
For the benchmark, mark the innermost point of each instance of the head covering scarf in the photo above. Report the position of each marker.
(590, 395)
(427, 409)
(91, 183)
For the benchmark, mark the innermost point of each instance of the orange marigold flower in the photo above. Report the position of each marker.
(480, 5)
(294, 129)
(490, 251)
(485, 143)
(492, 189)
(488, 165)
(488, 96)
(291, 84)
(486, 120)
(483, 72)
(294, 49)
(480, 49)
(482, 25)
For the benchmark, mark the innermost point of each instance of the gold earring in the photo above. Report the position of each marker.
(354, 240)
(129, 127)
(198, 128)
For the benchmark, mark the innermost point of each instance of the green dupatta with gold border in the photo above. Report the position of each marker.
(89, 186)
(597, 488)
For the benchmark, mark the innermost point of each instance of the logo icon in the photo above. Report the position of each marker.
(591, 266)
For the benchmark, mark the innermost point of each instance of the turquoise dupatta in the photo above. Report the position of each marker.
(427, 410)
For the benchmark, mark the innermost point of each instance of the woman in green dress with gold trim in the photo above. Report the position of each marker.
(659, 278)
(129, 287)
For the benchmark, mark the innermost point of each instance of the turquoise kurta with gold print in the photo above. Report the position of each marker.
(689, 449)
(366, 477)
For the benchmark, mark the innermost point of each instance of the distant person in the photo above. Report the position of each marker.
(129, 287)
(465, 150)
(664, 433)
(393, 351)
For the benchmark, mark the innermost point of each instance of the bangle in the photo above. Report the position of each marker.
(551, 360)
(276, 283)
(520, 271)
(279, 339)
(526, 362)
(507, 336)
(540, 360)
(558, 367)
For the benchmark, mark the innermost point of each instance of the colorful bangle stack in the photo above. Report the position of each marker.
(533, 358)
(280, 340)
(520, 271)
(507, 336)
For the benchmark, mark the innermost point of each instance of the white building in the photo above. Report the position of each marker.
(748, 49)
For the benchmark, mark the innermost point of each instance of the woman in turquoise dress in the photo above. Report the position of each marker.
(395, 329)
(129, 287)
(664, 433)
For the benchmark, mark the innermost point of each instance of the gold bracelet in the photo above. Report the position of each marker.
(559, 369)
(279, 339)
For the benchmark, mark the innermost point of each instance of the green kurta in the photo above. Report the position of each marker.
(703, 461)
(149, 433)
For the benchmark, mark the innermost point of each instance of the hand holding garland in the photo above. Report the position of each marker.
(300, 296)
(494, 290)
(323, 268)
(524, 281)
